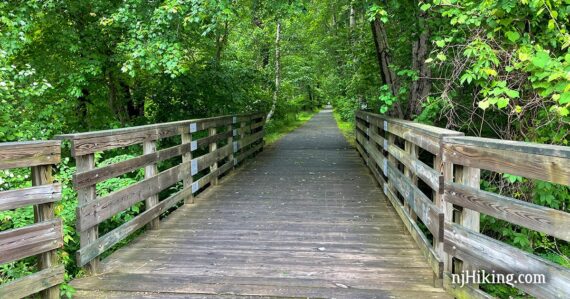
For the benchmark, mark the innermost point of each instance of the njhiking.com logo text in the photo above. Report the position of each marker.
(484, 277)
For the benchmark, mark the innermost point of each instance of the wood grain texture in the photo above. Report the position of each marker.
(104, 243)
(86, 196)
(303, 219)
(30, 240)
(28, 154)
(486, 253)
(549, 221)
(424, 208)
(534, 166)
(96, 211)
(427, 174)
(91, 142)
(13, 199)
(150, 171)
(34, 283)
(42, 175)
(97, 175)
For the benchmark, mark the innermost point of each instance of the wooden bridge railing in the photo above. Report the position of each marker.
(42, 238)
(208, 149)
(452, 212)
(391, 149)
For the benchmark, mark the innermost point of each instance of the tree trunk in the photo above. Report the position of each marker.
(221, 41)
(383, 55)
(352, 21)
(277, 70)
(420, 88)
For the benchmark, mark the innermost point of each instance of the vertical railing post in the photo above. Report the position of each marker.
(446, 171)
(468, 218)
(186, 137)
(213, 146)
(392, 161)
(151, 170)
(42, 175)
(413, 151)
(85, 195)
(231, 140)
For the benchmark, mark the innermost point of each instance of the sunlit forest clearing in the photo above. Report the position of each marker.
(496, 69)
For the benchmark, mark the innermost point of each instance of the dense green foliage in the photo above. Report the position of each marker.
(488, 68)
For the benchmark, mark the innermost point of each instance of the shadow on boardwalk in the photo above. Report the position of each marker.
(305, 219)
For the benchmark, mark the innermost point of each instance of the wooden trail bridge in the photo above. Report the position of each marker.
(302, 218)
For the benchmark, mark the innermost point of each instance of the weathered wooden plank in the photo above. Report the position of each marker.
(244, 155)
(34, 283)
(211, 158)
(150, 171)
(374, 154)
(30, 240)
(91, 142)
(86, 196)
(186, 138)
(431, 177)
(248, 140)
(28, 154)
(214, 138)
(212, 148)
(91, 177)
(421, 129)
(138, 129)
(515, 146)
(42, 175)
(542, 219)
(205, 180)
(90, 145)
(543, 167)
(97, 211)
(486, 253)
(13, 199)
(426, 210)
(423, 243)
(104, 243)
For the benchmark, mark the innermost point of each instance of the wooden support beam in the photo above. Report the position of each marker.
(187, 157)
(84, 196)
(150, 171)
(213, 146)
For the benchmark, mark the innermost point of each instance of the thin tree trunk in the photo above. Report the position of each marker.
(352, 20)
(420, 88)
(277, 70)
(383, 55)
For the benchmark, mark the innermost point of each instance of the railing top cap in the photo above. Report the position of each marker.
(30, 143)
(509, 145)
(426, 129)
(112, 132)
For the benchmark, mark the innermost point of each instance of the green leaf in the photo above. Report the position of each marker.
(564, 98)
(502, 102)
(541, 59)
(513, 36)
(440, 43)
(425, 6)
(512, 93)
(441, 57)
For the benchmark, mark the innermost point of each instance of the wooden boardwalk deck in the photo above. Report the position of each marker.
(304, 219)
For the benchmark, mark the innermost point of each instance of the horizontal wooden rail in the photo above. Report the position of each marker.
(209, 148)
(45, 236)
(391, 148)
(534, 161)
